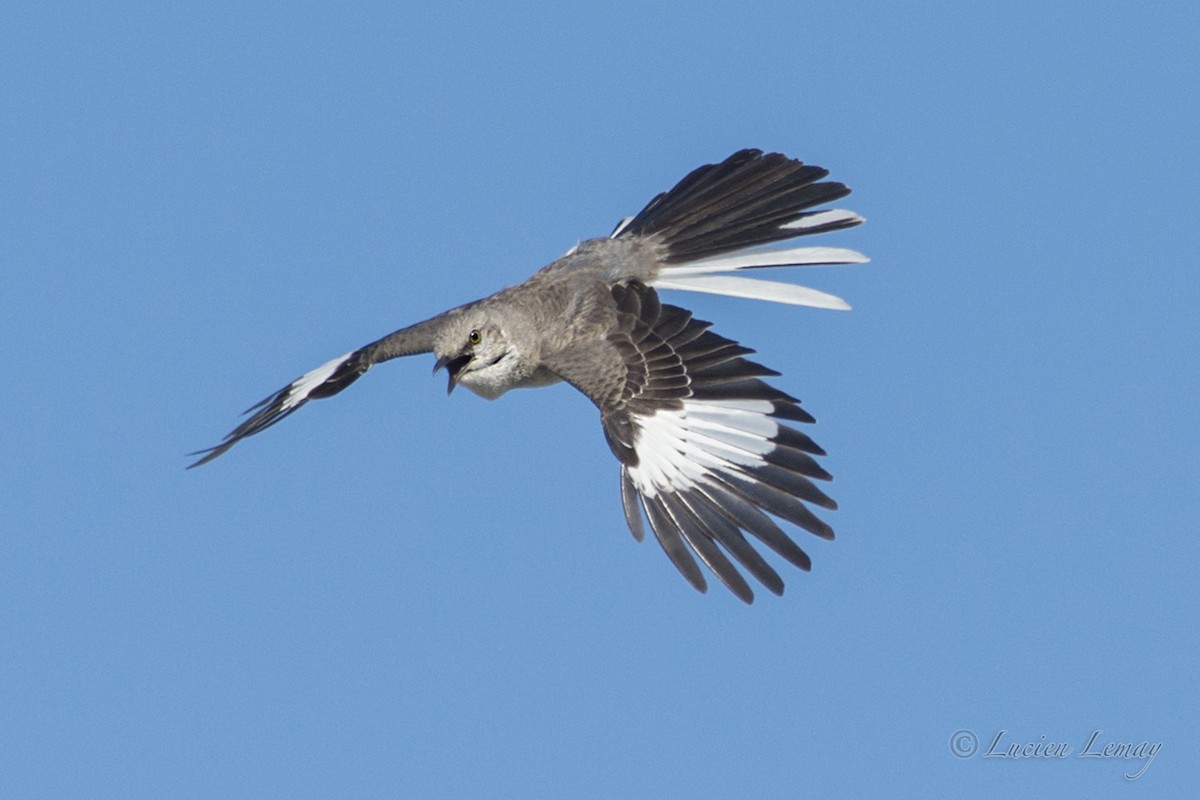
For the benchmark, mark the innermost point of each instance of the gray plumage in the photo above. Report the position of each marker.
(705, 445)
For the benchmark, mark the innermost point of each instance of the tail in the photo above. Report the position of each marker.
(720, 217)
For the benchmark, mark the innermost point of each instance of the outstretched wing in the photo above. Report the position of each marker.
(704, 444)
(324, 381)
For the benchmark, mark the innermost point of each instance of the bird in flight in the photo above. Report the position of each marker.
(709, 451)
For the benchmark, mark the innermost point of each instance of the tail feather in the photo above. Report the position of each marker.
(755, 289)
(718, 187)
(722, 217)
(748, 199)
(757, 220)
(831, 219)
(765, 258)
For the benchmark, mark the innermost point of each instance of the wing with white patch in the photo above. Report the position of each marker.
(327, 379)
(324, 381)
(706, 448)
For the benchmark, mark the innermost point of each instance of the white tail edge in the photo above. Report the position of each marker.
(754, 289)
(754, 259)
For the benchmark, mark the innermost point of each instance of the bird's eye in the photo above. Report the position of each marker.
(475, 337)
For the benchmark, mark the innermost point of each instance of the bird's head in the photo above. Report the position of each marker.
(476, 352)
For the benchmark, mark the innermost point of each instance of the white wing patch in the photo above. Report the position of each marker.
(298, 390)
(679, 449)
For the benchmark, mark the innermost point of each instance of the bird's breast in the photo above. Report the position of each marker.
(490, 384)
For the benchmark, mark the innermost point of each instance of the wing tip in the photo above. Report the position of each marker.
(207, 454)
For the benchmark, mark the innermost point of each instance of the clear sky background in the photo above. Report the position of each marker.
(399, 594)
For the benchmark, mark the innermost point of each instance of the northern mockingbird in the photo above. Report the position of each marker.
(707, 448)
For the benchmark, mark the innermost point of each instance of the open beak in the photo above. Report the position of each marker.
(454, 367)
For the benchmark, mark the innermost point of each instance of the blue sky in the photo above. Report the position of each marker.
(399, 594)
